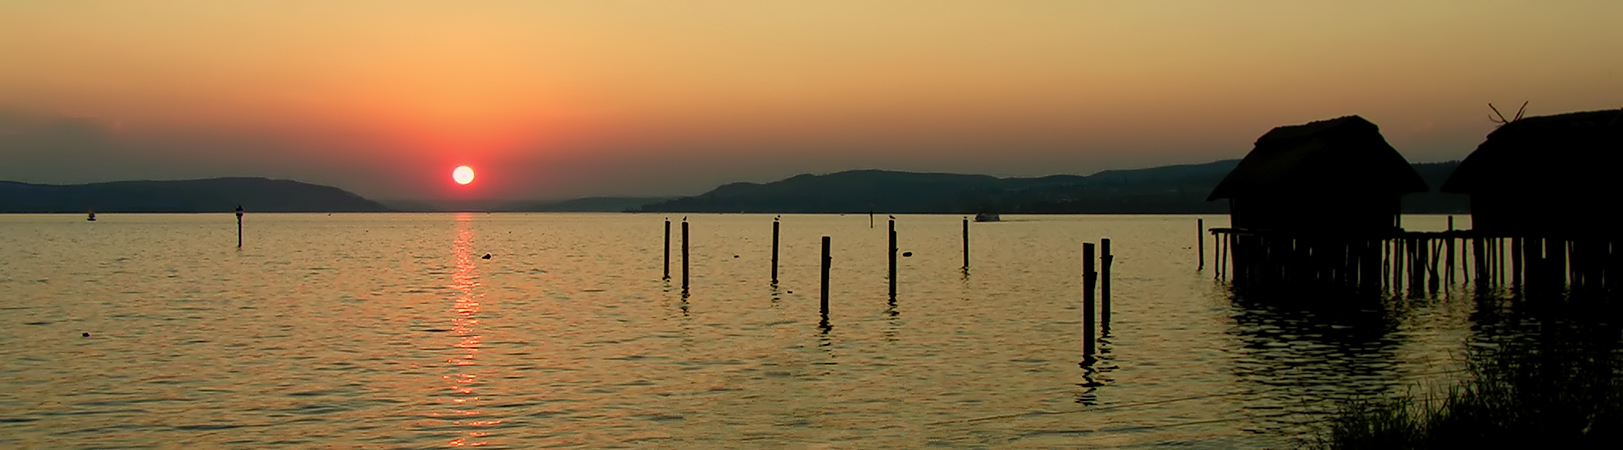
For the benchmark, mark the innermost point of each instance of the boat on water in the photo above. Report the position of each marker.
(987, 217)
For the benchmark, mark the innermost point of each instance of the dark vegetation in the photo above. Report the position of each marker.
(211, 195)
(1180, 189)
(1545, 380)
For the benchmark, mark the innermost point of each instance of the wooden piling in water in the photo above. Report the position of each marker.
(1428, 264)
(1200, 238)
(1465, 260)
(1432, 267)
(1386, 265)
(775, 251)
(1518, 246)
(239, 227)
(1411, 266)
(823, 294)
(1479, 262)
(1217, 255)
(1500, 262)
(1105, 258)
(1228, 246)
(684, 256)
(892, 252)
(966, 243)
(1088, 280)
(1400, 264)
(667, 275)
(1449, 263)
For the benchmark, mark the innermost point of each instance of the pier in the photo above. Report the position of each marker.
(1317, 205)
(1416, 262)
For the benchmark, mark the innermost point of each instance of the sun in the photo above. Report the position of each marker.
(462, 175)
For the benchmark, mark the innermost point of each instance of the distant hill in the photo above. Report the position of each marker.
(1179, 189)
(588, 204)
(211, 195)
(1435, 201)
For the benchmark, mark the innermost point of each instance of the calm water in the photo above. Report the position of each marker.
(391, 331)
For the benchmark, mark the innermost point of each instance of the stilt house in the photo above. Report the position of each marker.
(1336, 176)
(1547, 176)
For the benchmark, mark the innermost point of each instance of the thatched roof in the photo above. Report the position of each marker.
(1546, 154)
(1336, 157)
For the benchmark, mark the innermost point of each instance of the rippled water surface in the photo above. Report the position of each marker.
(392, 331)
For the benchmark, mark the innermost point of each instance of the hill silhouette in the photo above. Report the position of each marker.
(586, 204)
(1178, 189)
(210, 195)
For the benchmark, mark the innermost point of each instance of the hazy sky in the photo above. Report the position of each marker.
(554, 99)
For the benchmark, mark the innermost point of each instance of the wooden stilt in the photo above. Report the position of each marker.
(1088, 280)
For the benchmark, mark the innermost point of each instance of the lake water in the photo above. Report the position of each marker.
(391, 331)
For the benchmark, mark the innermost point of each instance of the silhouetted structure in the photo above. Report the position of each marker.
(1316, 204)
(1336, 175)
(1310, 208)
(1546, 184)
(1545, 175)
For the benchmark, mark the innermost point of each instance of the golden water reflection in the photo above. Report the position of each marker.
(464, 322)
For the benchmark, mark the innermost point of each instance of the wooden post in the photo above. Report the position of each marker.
(1429, 254)
(1397, 266)
(1450, 240)
(239, 226)
(1479, 262)
(1517, 248)
(1200, 235)
(1423, 272)
(892, 252)
(1499, 260)
(774, 251)
(966, 243)
(1217, 255)
(1465, 261)
(824, 284)
(684, 255)
(1088, 280)
(1105, 258)
(667, 249)
(1556, 267)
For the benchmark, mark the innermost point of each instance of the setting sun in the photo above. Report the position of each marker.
(462, 175)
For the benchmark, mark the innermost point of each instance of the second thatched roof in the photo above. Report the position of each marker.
(1562, 154)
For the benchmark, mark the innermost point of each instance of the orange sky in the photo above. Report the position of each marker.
(565, 99)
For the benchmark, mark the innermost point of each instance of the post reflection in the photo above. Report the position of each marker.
(461, 379)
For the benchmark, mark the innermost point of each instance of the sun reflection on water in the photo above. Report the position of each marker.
(462, 382)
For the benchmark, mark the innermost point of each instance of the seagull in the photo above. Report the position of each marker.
(892, 217)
